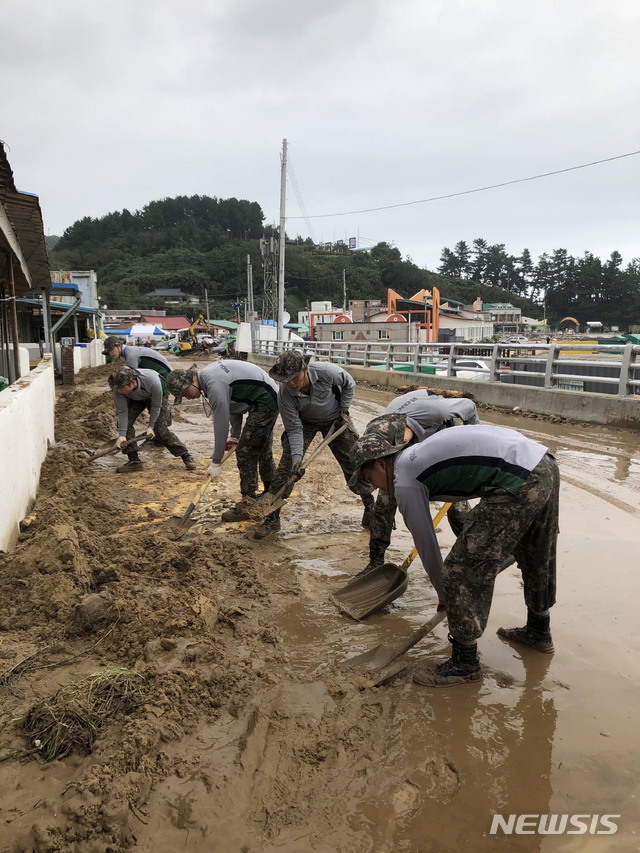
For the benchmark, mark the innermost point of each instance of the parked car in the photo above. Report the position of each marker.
(225, 347)
(515, 339)
(204, 338)
(466, 368)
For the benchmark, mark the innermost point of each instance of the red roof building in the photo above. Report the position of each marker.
(169, 324)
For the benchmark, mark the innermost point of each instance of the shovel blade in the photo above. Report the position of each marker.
(177, 523)
(392, 673)
(374, 659)
(371, 591)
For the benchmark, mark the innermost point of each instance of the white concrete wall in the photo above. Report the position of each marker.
(23, 357)
(26, 427)
(84, 355)
(243, 337)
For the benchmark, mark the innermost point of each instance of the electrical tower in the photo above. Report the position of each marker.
(270, 255)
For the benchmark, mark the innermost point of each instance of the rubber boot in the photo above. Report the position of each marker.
(462, 667)
(134, 464)
(536, 633)
(189, 462)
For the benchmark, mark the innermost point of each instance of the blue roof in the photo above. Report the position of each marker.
(64, 288)
(59, 306)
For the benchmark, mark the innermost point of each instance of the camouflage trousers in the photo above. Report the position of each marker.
(164, 436)
(254, 452)
(383, 522)
(523, 525)
(341, 449)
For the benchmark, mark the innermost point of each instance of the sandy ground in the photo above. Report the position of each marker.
(246, 733)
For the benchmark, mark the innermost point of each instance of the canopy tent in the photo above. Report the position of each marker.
(142, 330)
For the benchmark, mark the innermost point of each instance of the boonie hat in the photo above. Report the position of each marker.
(122, 376)
(178, 381)
(110, 342)
(288, 365)
(383, 436)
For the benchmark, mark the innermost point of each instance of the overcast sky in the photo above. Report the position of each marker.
(112, 104)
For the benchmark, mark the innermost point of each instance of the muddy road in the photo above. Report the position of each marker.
(243, 732)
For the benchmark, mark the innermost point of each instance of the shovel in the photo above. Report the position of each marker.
(182, 523)
(278, 501)
(380, 658)
(112, 447)
(378, 587)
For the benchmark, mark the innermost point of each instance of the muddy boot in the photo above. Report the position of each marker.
(462, 667)
(134, 464)
(376, 557)
(270, 525)
(536, 633)
(238, 512)
(189, 462)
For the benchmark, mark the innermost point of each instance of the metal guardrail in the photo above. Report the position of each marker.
(599, 368)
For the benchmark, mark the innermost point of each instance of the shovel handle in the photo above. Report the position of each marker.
(436, 521)
(308, 459)
(416, 637)
(196, 499)
(333, 433)
(203, 488)
(114, 447)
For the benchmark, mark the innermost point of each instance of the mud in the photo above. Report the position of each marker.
(251, 736)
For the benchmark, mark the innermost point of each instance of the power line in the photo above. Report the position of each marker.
(296, 189)
(468, 192)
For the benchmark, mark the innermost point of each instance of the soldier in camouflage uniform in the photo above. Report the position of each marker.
(432, 413)
(235, 388)
(136, 357)
(312, 397)
(133, 392)
(517, 481)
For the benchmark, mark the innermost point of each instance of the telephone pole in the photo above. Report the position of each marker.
(283, 201)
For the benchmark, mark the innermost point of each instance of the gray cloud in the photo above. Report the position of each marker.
(111, 105)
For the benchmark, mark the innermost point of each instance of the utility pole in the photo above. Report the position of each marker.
(249, 285)
(344, 290)
(283, 201)
(206, 299)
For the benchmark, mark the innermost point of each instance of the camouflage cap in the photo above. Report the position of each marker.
(383, 436)
(110, 342)
(178, 381)
(288, 365)
(122, 376)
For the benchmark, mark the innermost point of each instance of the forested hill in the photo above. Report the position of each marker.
(197, 243)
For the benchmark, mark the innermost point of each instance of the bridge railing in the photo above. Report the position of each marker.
(599, 368)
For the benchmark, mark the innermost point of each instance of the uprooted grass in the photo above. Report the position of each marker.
(72, 719)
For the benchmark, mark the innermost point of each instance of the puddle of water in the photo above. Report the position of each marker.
(539, 735)
(318, 567)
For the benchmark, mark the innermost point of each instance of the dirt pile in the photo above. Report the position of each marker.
(241, 738)
(171, 611)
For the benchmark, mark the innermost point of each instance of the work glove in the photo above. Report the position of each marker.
(344, 418)
(441, 606)
(297, 471)
(231, 443)
(214, 470)
(149, 434)
(121, 441)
